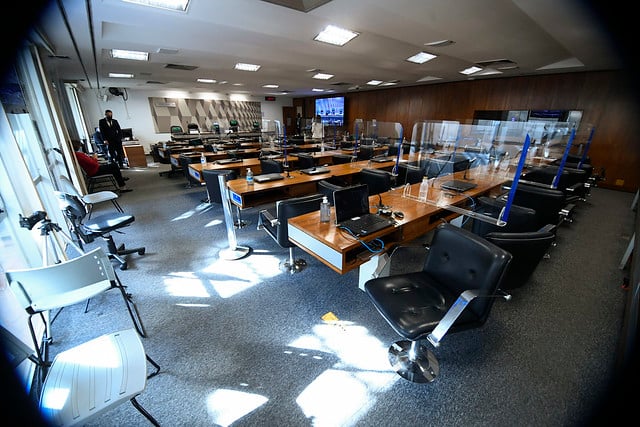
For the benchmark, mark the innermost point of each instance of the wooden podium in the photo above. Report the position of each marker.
(135, 154)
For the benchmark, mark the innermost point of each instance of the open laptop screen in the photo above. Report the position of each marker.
(350, 202)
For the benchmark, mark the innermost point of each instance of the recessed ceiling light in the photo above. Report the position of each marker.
(317, 90)
(421, 57)
(271, 86)
(470, 70)
(247, 67)
(428, 79)
(322, 76)
(206, 80)
(237, 84)
(374, 82)
(222, 82)
(162, 4)
(121, 75)
(335, 35)
(130, 54)
(389, 83)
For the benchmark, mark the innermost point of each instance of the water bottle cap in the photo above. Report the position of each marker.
(324, 199)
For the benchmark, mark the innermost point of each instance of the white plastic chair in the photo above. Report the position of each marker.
(69, 282)
(90, 199)
(87, 380)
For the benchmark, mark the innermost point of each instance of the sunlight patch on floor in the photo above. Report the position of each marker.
(185, 284)
(227, 406)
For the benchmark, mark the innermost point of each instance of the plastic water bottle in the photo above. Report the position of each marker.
(424, 189)
(249, 176)
(203, 159)
(325, 210)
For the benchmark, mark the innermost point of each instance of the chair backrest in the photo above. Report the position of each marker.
(461, 260)
(290, 208)
(338, 159)
(527, 249)
(520, 218)
(305, 161)
(210, 177)
(327, 188)
(365, 152)
(176, 129)
(63, 284)
(377, 180)
(547, 202)
(409, 174)
(270, 166)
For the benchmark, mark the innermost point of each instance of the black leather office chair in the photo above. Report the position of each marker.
(365, 152)
(550, 204)
(573, 182)
(338, 159)
(377, 180)
(408, 174)
(305, 161)
(521, 219)
(185, 161)
(210, 177)
(527, 249)
(193, 126)
(86, 230)
(270, 166)
(459, 282)
(276, 225)
(326, 187)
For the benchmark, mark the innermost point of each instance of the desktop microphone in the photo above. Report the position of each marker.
(467, 168)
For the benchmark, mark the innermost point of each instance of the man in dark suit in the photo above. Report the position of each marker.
(112, 136)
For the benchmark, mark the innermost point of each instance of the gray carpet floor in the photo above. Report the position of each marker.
(241, 343)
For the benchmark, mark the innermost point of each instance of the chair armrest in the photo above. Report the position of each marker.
(455, 311)
(268, 216)
(551, 228)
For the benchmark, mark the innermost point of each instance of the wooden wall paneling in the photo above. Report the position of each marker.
(604, 97)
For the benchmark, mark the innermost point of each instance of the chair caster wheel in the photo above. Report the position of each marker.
(141, 252)
(124, 266)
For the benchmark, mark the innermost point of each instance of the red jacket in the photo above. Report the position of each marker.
(88, 163)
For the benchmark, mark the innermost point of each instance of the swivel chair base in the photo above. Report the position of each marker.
(413, 361)
(292, 265)
(115, 253)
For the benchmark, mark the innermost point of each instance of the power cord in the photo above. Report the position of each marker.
(375, 246)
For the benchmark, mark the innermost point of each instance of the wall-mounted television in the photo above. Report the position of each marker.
(331, 110)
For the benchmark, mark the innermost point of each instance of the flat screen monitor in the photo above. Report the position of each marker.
(331, 110)
(127, 134)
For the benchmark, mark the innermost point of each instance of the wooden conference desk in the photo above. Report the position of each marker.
(342, 252)
(244, 195)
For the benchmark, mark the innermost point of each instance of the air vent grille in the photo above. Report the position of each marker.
(181, 67)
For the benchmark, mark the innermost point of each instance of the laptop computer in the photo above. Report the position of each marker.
(382, 159)
(315, 171)
(458, 185)
(352, 211)
(266, 177)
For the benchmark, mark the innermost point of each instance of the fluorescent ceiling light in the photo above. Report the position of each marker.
(374, 82)
(271, 86)
(335, 35)
(206, 81)
(121, 75)
(237, 84)
(421, 57)
(322, 76)
(247, 67)
(162, 4)
(428, 79)
(388, 83)
(470, 70)
(130, 54)
(317, 90)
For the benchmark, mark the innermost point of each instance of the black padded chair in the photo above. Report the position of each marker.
(455, 291)
(103, 226)
(193, 127)
(378, 180)
(338, 159)
(270, 166)
(326, 187)
(550, 204)
(573, 182)
(276, 225)
(185, 161)
(520, 219)
(365, 152)
(527, 249)
(408, 174)
(210, 177)
(305, 161)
